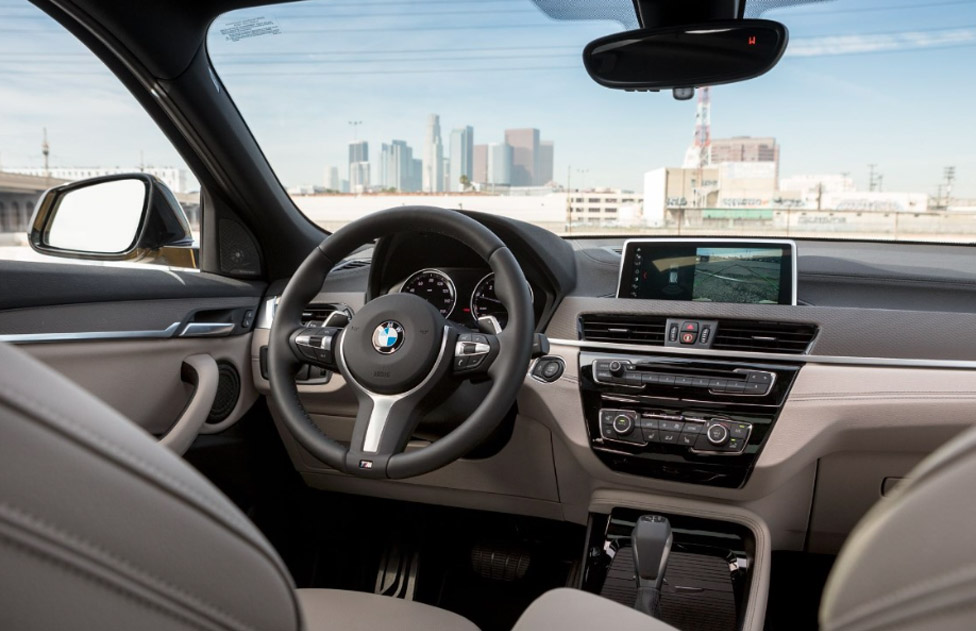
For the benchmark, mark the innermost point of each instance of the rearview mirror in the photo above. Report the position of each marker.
(688, 56)
(129, 217)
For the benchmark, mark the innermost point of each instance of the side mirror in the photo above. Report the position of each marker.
(690, 56)
(129, 217)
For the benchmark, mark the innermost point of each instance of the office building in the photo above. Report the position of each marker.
(499, 168)
(744, 149)
(358, 173)
(332, 180)
(525, 155)
(545, 163)
(433, 160)
(461, 157)
(399, 170)
(479, 164)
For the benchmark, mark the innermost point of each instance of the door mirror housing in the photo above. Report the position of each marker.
(687, 56)
(129, 217)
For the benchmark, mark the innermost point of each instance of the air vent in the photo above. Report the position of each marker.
(349, 264)
(624, 329)
(320, 313)
(763, 337)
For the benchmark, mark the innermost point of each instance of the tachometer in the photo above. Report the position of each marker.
(435, 287)
(484, 302)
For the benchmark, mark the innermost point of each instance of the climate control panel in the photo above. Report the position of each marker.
(700, 433)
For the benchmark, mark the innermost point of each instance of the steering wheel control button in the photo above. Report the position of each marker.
(388, 337)
(717, 434)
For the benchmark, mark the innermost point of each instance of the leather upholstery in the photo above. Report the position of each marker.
(911, 562)
(339, 610)
(575, 610)
(102, 528)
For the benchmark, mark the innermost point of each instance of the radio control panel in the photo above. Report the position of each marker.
(740, 381)
(702, 421)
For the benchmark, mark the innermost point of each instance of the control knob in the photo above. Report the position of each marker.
(623, 424)
(718, 434)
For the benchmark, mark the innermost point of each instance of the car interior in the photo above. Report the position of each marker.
(437, 416)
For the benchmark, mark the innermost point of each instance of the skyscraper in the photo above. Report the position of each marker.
(398, 168)
(479, 164)
(358, 166)
(525, 155)
(546, 157)
(332, 180)
(462, 157)
(433, 178)
(499, 164)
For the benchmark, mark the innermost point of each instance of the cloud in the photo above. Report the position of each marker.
(880, 42)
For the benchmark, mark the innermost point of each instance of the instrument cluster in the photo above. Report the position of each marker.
(460, 294)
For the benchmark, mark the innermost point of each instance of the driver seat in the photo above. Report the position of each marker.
(103, 528)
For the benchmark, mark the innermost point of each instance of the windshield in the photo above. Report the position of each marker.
(862, 130)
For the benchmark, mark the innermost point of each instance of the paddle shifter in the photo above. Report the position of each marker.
(651, 541)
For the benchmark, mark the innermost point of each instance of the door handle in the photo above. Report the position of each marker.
(201, 372)
(207, 329)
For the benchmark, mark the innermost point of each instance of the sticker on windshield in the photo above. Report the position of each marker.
(251, 27)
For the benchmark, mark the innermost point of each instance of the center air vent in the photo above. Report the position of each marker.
(763, 337)
(624, 329)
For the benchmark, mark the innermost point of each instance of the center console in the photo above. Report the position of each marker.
(683, 419)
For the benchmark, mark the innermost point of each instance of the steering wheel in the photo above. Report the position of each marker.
(398, 353)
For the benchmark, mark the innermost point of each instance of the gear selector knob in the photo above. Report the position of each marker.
(651, 540)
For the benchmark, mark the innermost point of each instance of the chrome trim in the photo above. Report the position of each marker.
(266, 313)
(460, 349)
(789, 242)
(207, 329)
(383, 403)
(441, 273)
(40, 338)
(780, 357)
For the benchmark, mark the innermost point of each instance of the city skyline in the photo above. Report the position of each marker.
(521, 160)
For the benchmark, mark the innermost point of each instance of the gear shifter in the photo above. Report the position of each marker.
(651, 541)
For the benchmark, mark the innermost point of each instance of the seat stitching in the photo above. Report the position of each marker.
(19, 517)
(101, 582)
(203, 504)
(115, 449)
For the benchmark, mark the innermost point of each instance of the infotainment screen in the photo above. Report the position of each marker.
(709, 270)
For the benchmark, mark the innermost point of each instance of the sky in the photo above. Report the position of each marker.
(885, 82)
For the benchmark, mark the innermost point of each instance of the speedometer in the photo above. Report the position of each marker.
(484, 302)
(435, 287)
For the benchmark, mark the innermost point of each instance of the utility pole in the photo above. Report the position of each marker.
(355, 129)
(569, 200)
(46, 152)
(871, 177)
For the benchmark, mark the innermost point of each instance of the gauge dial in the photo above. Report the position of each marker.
(484, 302)
(435, 287)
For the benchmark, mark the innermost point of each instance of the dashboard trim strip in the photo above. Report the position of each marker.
(808, 359)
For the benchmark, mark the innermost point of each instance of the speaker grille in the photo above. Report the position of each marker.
(228, 392)
(238, 253)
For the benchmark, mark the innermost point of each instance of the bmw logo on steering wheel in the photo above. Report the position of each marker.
(388, 337)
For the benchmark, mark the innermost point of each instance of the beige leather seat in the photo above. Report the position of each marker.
(102, 528)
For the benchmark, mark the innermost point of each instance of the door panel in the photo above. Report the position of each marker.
(117, 332)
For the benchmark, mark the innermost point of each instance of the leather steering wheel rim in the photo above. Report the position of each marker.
(506, 372)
